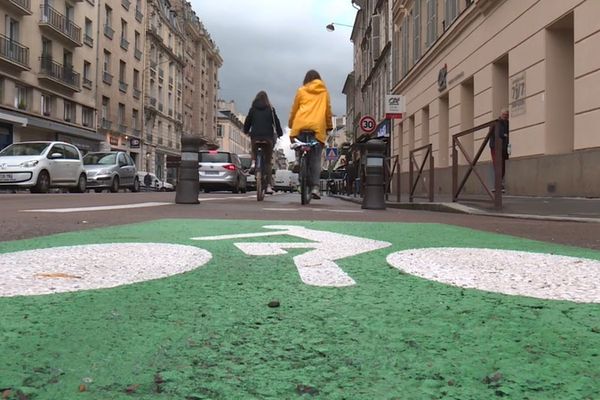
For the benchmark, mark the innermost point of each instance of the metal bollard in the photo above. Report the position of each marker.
(374, 185)
(188, 185)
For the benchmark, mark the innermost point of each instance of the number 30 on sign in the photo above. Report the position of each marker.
(367, 124)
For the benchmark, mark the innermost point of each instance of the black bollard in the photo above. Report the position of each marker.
(188, 185)
(374, 185)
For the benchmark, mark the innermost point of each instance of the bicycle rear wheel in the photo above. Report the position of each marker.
(304, 181)
(260, 184)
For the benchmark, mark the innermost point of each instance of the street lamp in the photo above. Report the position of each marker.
(331, 26)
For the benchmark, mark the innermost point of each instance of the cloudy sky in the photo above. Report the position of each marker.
(270, 44)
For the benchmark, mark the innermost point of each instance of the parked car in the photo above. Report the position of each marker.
(221, 170)
(149, 181)
(286, 180)
(246, 160)
(39, 166)
(111, 170)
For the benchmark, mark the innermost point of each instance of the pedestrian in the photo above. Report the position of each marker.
(503, 133)
(263, 124)
(147, 181)
(311, 111)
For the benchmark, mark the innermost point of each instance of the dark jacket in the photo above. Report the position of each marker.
(503, 125)
(259, 122)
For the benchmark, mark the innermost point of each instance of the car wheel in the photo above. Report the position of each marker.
(42, 184)
(114, 186)
(136, 185)
(81, 185)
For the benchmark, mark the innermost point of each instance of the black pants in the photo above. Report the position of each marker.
(268, 157)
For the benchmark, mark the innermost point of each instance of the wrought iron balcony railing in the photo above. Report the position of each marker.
(14, 51)
(60, 23)
(60, 73)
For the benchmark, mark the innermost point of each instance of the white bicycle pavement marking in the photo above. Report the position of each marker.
(544, 276)
(99, 208)
(316, 267)
(93, 266)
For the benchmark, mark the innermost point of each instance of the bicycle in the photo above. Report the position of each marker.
(260, 171)
(305, 147)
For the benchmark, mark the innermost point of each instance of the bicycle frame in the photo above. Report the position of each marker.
(304, 148)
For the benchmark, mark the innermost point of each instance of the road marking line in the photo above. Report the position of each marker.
(99, 208)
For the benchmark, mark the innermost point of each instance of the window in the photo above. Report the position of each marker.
(134, 119)
(21, 97)
(108, 21)
(136, 79)
(124, 34)
(69, 111)
(451, 9)
(87, 74)
(405, 47)
(87, 116)
(71, 152)
(88, 36)
(105, 108)
(122, 71)
(137, 40)
(431, 22)
(121, 114)
(46, 105)
(416, 31)
(106, 67)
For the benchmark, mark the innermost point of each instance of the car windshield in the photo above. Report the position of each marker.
(100, 159)
(215, 157)
(246, 162)
(24, 149)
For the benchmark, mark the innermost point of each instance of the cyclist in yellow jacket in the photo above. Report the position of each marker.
(311, 111)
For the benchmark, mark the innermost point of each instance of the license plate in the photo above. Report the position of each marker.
(6, 177)
(212, 172)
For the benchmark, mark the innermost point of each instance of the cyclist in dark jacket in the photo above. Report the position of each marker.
(262, 123)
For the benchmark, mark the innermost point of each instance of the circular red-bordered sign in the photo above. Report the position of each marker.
(367, 124)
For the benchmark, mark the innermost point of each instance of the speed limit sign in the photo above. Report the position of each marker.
(367, 124)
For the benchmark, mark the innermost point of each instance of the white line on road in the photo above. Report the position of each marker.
(99, 208)
(312, 209)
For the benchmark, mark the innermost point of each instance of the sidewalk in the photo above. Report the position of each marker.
(543, 208)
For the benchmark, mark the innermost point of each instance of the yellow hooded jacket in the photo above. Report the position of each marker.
(311, 110)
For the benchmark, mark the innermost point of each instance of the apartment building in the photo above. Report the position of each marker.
(230, 129)
(47, 72)
(120, 43)
(202, 62)
(163, 103)
(459, 62)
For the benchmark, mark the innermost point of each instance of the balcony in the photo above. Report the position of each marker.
(137, 132)
(87, 83)
(88, 40)
(151, 102)
(107, 78)
(123, 86)
(22, 7)
(14, 53)
(109, 31)
(125, 4)
(137, 54)
(124, 44)
(105, 124)
(57, 73)
(61, 27)
(138, 15)
(122, 128)
(137, 93)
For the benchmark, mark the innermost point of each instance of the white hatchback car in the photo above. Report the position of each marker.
(39, 166)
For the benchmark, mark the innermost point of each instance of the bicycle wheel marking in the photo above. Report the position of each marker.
(94, 266)
(316, 267)
(544, 276)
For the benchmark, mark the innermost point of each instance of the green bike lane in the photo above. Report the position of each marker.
(239, 310)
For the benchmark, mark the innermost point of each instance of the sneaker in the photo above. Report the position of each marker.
(269, 190)
(316, 193)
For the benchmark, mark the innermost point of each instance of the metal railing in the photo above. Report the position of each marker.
(59, 22)
(413, 163)
(87, 39)
(24, 4)
(123, 86)
(105, 124)
(109, 31)
(137, 54)
(107, 77)
(137, 93)
(124, 44)
(125, 4)
(14, 51)
(59, 72)
(457, 188)
(87, 83)
(138, 14)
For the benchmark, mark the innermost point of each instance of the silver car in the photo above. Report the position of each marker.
(111, 170)
(39, 166)
(221, 170)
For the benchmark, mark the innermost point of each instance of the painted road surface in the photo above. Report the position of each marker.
(198, 309)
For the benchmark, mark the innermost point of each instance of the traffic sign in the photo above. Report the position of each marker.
(331, 153)
(367, 124)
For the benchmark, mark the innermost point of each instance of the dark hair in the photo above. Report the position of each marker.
(261, 99)
(311, 75)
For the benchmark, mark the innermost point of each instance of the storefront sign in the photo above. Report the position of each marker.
(134, 143)
(518, 93)
(383, 129)
(114, 141)
(395, 106)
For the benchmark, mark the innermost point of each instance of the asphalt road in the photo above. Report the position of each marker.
(25, 215)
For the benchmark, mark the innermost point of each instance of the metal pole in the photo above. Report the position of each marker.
(431, 173)
(498, 167)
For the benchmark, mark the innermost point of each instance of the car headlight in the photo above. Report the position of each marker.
(29, 164)
(104, 172)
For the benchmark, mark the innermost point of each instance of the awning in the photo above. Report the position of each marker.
(14, 119)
